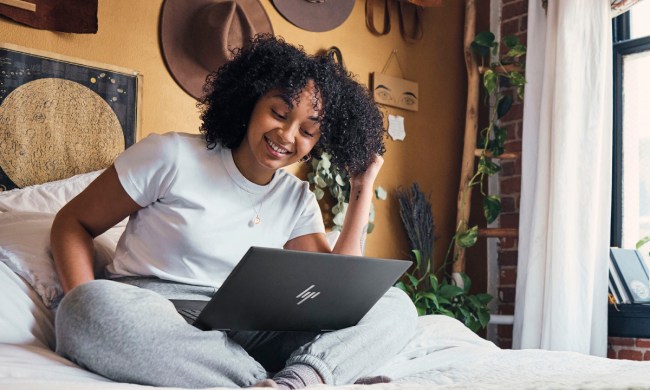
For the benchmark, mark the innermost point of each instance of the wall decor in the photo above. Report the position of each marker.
(61, 116)
(315, 15)
(70, 16)
(394, 91)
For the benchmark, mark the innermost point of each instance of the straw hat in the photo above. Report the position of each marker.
(197, 35)
(315, 15)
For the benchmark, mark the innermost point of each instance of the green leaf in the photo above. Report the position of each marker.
(319, 193)
(370, 228)
(491, 207)
(339, 180)
(504, 106)
(421, 310)
(485, 38)
(401, 286)
(433, 281)
(321, 182)
(483, 318)
(325, 161)
(380, 193)
(516, 51)
(490, 81)
(484, 298)
(510, 41)
(339, 218)
(467, 238)
(414, 281)
(449, 291)
(642, 242)
(488, 167)
(467, 282)
(418, 257)
(516, 79)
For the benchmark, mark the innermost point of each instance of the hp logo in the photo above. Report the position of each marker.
(305, 295)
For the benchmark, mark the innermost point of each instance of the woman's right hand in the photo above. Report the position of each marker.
(96, 209)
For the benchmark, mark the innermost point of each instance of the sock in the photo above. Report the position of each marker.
(371, 380)
(297, 376)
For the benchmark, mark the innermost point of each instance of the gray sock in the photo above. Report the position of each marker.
(297, 376)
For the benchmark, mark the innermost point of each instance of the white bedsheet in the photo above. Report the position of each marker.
(443, 355)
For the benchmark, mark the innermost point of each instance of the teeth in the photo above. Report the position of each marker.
(276, 147)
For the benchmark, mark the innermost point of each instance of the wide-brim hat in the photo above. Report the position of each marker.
(197, 36)
(315, 15)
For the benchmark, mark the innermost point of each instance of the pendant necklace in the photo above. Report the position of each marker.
(256, 220)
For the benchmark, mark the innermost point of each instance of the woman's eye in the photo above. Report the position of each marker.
(278, 115)
(305, 132)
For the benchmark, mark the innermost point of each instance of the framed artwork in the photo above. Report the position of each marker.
(61, 116)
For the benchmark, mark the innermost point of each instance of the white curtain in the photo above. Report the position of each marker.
(566, 179)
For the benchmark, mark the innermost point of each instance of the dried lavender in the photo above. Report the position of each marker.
(417, 218)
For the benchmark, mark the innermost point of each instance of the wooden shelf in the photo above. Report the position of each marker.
(502, 156)
(499, 232)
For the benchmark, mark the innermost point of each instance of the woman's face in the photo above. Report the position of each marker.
(281, 131)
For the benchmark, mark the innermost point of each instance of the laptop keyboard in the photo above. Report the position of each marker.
(190, 314)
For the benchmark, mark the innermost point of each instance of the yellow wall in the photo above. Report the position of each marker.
(430, 155)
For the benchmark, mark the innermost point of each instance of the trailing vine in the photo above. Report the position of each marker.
(500, 71)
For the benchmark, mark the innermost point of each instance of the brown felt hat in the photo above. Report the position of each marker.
(197, 35)
(315, 15)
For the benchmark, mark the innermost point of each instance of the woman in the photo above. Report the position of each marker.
(194, 211)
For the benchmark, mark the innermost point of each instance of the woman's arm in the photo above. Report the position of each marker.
(96, 209)
(353, 235)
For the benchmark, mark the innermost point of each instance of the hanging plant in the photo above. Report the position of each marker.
(500, 71)
(324, 176)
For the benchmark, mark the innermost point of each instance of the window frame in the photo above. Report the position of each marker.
(622, 45)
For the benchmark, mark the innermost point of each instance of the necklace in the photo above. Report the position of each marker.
(256, 220)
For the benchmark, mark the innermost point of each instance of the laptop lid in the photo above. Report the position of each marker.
(287, 290)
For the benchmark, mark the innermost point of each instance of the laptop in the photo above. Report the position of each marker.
(286, 290)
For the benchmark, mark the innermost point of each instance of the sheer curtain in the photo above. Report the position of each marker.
(566, 179)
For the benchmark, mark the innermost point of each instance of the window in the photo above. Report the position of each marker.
(631, 197)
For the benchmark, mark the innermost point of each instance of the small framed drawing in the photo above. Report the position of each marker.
(61, 116)
(394, 91)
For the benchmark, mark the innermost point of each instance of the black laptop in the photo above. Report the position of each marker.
(287, 290)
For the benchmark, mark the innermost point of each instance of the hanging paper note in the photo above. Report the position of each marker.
(396, 127)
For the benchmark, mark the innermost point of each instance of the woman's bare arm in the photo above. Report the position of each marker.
(99, 207)
(353, 235)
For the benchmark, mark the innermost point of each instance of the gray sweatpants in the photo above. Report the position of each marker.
(131, 334)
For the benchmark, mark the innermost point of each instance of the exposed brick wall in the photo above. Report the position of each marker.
(628, 348)
(514, 21)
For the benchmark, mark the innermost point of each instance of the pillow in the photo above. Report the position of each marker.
(25, 249)
(24, 319)
(47, 197)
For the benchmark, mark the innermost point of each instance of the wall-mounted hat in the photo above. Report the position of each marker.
(197, 35)
(315, 15)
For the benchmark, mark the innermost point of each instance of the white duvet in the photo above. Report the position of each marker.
(444, 354)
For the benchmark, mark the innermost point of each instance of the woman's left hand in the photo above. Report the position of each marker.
(368, 177)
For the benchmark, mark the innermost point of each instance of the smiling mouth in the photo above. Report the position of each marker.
(277, 148)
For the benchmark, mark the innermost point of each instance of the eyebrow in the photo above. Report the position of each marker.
(289, 102)
(382, 86)
(410, 94)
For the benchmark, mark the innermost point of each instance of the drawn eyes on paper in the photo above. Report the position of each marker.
(384, 94)
(396, 92)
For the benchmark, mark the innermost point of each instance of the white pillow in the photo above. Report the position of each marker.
(25, 249)
(24, 319)
(48, 197)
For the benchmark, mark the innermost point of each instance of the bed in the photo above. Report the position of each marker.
(443, 353)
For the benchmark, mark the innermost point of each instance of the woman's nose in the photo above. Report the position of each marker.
(288, 132)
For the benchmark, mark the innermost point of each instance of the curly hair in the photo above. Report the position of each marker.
(351, 125)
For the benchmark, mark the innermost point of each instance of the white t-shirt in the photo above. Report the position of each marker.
(196, 222)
